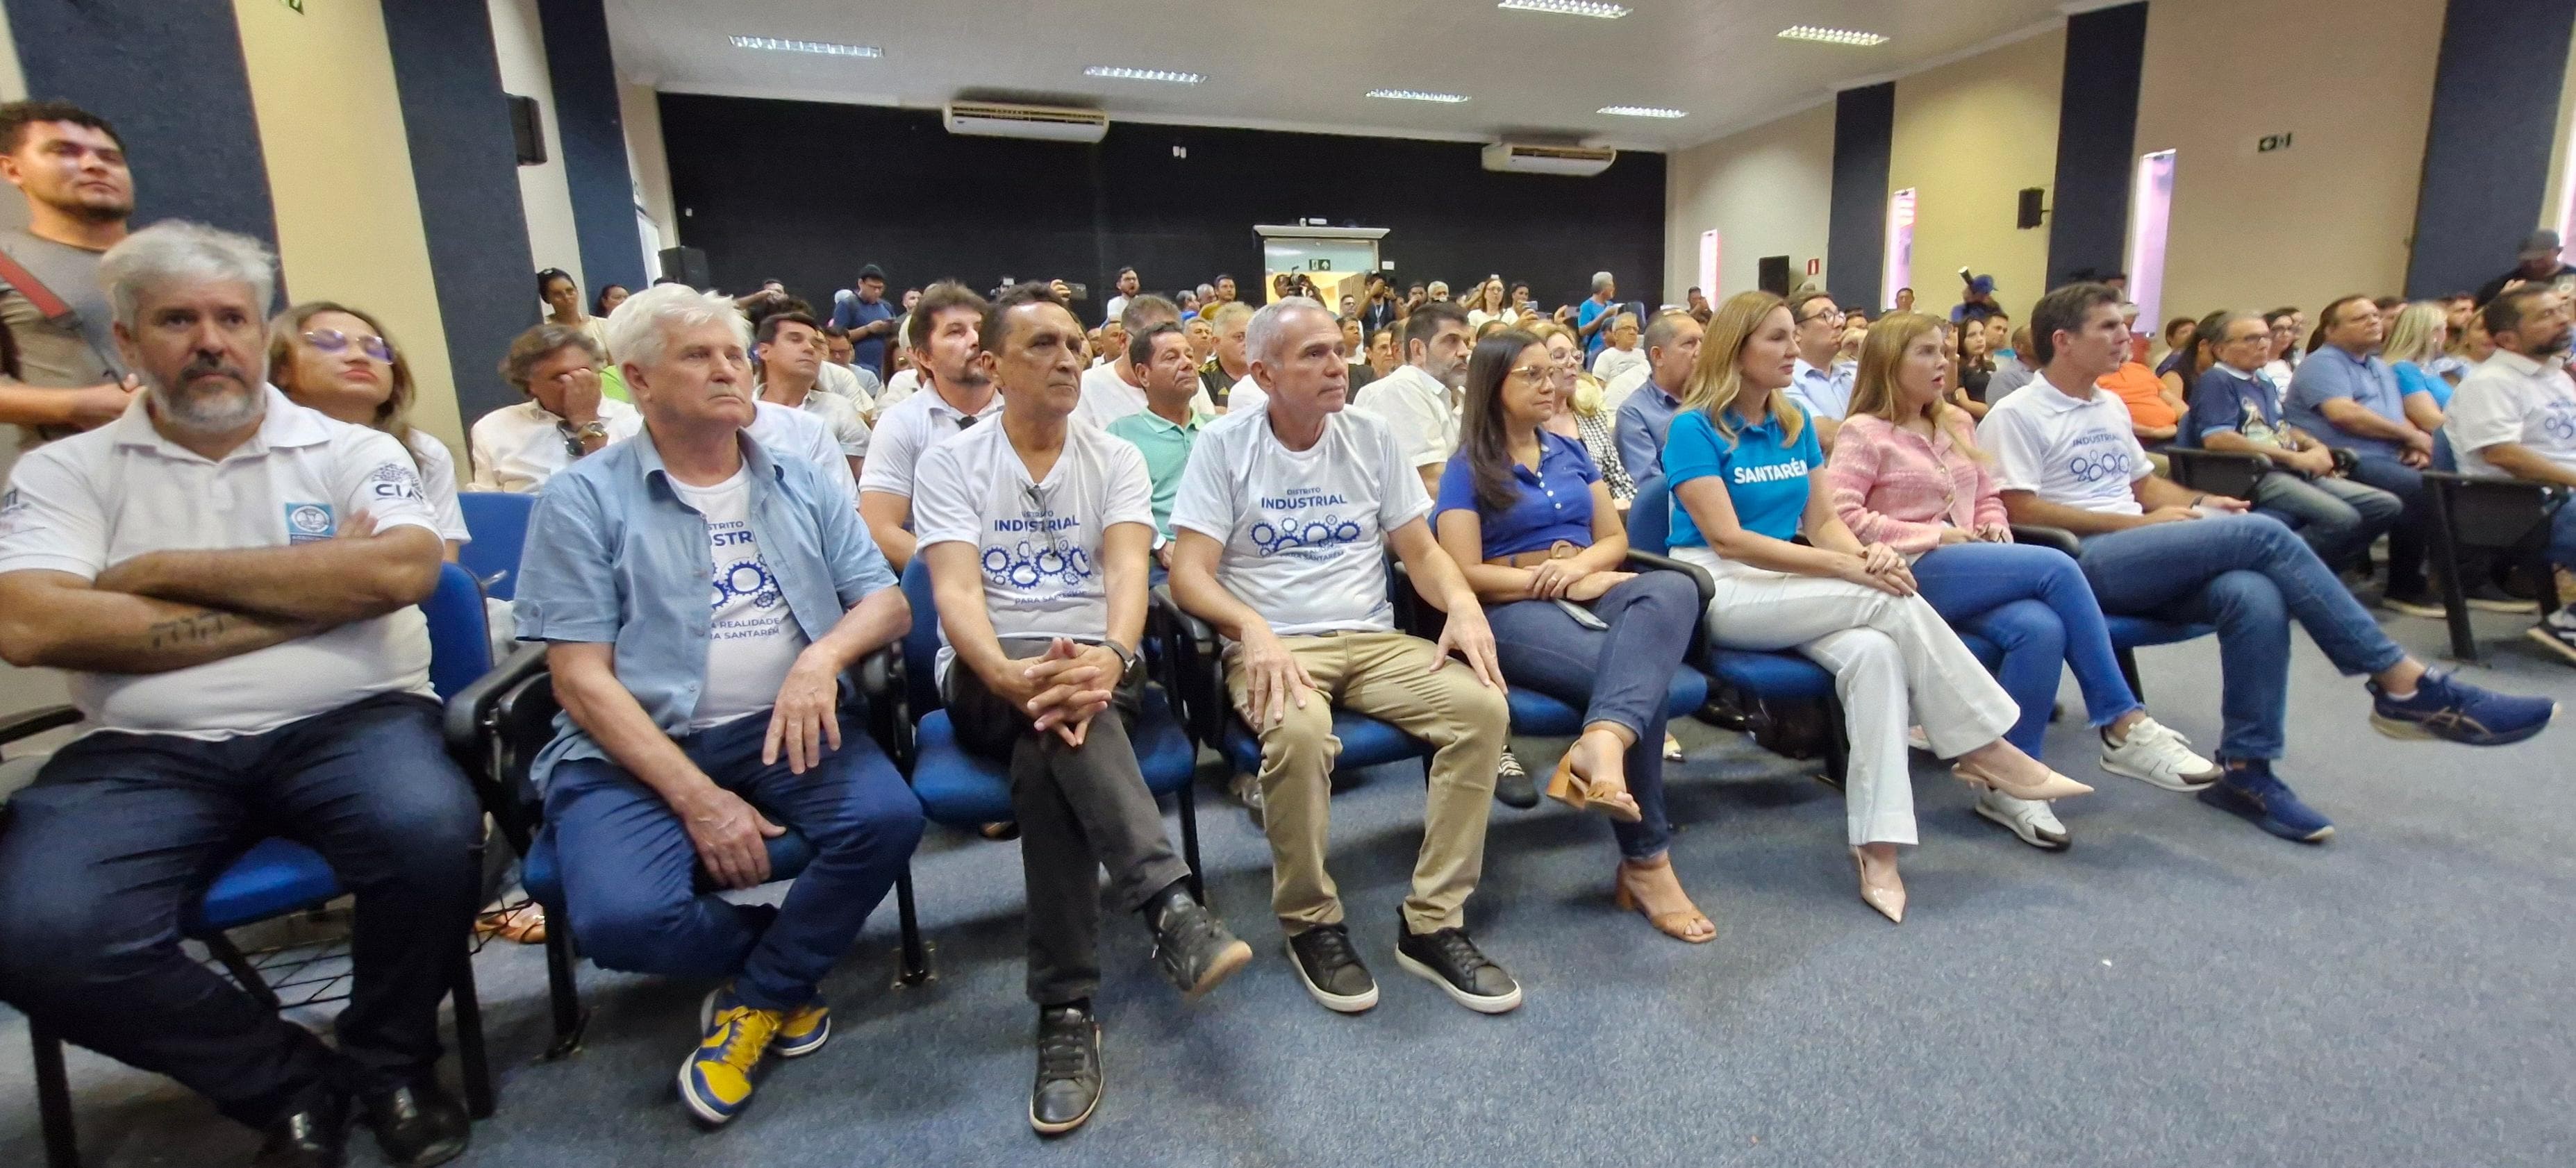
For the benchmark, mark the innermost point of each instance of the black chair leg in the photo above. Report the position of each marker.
(916, 953)
(561, 992)
(2446, 559)
(1190, 840)
(241, 969)
(53, 1097)
(473, 1065)
(2129, 672)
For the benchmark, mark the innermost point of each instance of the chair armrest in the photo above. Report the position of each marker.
(1193, 656)
(880, 679)
(469, 713)
(2053, 537)
(2218, 472)
(29, 723)
(1700, 578)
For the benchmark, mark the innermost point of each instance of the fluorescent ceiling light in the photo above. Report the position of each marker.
(1126, 74)
(1418, 95)
(1642, 111)
(1831, 36)
(825, 48)
(1568, 7)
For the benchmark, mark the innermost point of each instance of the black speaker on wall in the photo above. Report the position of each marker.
(1773, 275)
(688, 265)
(527, 130)
(2030, 211)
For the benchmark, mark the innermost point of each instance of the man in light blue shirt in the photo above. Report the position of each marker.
(2347, 396)
(1592, 318)
(1672, 347)
(697, 735)
(1821, 385)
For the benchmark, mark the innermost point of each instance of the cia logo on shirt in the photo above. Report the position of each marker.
(306, 522)
(394, 481)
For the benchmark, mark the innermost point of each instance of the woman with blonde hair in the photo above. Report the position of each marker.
(337, 359)
(1916, 482)
(2415, 343)
(1748, 479)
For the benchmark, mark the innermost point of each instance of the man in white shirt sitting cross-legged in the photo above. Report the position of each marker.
(2514, 416)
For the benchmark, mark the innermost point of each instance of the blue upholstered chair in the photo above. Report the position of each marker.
(498, 520)
(276, 877)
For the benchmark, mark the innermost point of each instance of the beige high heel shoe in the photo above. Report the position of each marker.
(1679, 924)
(1879, 887)
(2055, 786)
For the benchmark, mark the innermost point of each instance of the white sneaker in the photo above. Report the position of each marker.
(2032, 821)
(2153, 753)
(1247, 791)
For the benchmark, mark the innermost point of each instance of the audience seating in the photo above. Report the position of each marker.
(498, 521)
(2128, 633)
(497, 726)
(961, 790)
(277, 877)
(2218, 472)
(2509, 516)
(1538, 715)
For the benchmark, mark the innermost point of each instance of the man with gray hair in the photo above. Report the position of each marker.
(1285, 516)
(230, 580)
(1592, 319)
(691, 740)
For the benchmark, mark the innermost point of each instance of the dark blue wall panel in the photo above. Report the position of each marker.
(2486, 154)
(594, 141)
(466, 171)
(1856, 238)
(2097, 130)
(169, 74)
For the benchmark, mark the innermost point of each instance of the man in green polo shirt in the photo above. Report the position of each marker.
(1169, 424)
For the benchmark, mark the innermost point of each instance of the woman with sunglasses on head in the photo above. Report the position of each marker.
(1526, 513)
(1917, 483)
(1748, 479)
(337, 359)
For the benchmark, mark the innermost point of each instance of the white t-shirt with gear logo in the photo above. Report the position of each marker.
(2079, 452)
(92, 500)
(752, 640)
(2512, 398)
(1037, 542)
(1304, 530)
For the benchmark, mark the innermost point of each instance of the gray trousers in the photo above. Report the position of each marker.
(1080, 809)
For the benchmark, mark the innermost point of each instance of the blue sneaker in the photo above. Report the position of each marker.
(801, 1031)
(722, 1072)
(2254, 794)
(2446, 707)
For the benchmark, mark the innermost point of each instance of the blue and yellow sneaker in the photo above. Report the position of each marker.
(722, 1072)
(2448, 708)
(804, 1031)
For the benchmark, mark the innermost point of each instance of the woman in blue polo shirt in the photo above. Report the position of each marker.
(1748, 479)
(1526, 513)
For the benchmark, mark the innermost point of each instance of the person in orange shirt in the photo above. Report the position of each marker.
(2154, 410)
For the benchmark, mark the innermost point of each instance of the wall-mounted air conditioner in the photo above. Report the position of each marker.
(1054, 124)
(1523, 158)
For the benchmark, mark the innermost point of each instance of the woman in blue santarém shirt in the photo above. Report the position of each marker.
(1748, 478)
(1525, 512)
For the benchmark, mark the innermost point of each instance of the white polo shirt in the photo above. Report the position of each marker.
(83, 503)
(1614, 363)
(2079, 452)
(908, 431)
(1304, 530)
(843, 382)
(1616, 389)
(1038, 542)
(2512, 398)
(1417, 410)
(517, 448)
(840, 418)
(897, 388)
(438, 485)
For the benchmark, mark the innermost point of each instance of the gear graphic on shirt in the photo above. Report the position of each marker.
(1027, 566)
(2559, 424)
(745, 578)
(1323, 531)
(2098, 467)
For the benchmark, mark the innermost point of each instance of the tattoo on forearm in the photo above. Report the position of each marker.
(191, 631)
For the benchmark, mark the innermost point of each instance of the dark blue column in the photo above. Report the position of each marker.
(169, 75)
(594, 142)
(465, 169)
(2097, 131)
(1856, 237)
(2486, 153)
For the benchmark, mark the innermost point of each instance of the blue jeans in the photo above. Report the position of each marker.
(1622, 675)
(2033, 602)
(105, 856)
(2406, 540)
(2337, 516)
(2247, 575)
(630, 871)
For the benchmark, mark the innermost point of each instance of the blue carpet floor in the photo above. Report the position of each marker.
(2179, 989)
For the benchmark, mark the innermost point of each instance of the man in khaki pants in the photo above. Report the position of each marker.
(1283, 519)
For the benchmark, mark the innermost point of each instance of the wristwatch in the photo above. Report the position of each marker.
(574, 436)
(1126, 657)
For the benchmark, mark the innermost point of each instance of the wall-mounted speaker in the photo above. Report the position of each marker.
(1772, 273)
(688, 265)
(2030, 212)
(527, 130)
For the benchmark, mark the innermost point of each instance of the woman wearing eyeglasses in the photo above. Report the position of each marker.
(1748, 479)
(1525, 511)
(336, 359)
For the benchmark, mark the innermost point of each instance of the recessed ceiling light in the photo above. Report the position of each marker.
(1643, 111)
(1123, 73)
(1831, 36)
(1418, 95)
(1568, 7)
(825, 48)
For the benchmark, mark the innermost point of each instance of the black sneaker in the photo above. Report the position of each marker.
(313, 1135)
(2560, 637)
(1331, 969)
(1191, 946)
(2418, 601)
(1446, 958)
(1069, 1079)
(418, 1125)
(1513, 786)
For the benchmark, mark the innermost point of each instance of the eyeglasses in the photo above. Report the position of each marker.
(1828, 314)
(1534, 372)
(335, 341)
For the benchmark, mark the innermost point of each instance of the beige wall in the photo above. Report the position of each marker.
(339, 173)
(2351, 81)
(545, 195)
(1768, 191)
(1969, 136)
(639, 108)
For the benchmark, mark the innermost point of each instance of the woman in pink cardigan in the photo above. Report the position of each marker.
(1906, 472)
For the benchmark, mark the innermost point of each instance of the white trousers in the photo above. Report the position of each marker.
(1895, 663)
